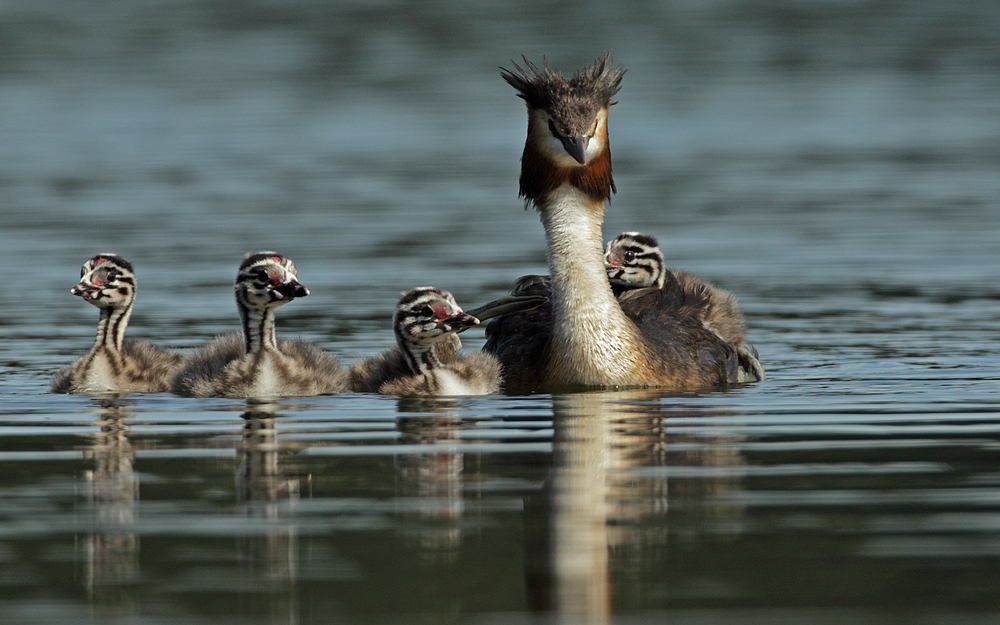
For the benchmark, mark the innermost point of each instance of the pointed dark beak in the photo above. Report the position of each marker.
(86, 291)
(576, 146)
(292, 289)
(507, 304)
(461, 321)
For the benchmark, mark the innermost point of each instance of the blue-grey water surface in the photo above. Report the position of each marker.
(834, 164)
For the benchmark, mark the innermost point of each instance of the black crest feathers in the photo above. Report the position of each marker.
(592, 87)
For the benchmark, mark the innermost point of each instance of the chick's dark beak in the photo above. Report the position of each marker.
(86, 291)
(292, 289)
(460, 321)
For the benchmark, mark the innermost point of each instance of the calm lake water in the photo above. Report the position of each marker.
(834, 164)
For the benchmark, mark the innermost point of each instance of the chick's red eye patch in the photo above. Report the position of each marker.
(441, 312)
(99, 277)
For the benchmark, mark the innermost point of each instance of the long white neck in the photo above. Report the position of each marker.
(258, 327)
(111, 327)
(593, 342)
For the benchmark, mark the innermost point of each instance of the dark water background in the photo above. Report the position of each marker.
(836, 164)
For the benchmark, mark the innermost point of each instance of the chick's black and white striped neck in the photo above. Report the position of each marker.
(108, 282)
(265, 281)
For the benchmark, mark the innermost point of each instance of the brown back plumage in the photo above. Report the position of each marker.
(678, 343)
(521, 341)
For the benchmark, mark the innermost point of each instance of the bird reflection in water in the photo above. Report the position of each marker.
(110, 552)
(266, 491)
(431, 478)
(584, 531)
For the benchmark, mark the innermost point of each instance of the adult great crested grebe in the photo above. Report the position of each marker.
(591, 339)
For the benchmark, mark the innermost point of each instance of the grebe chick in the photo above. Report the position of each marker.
(634, 261)
(114, 364)
(450, 346)
(255, 364)
(424, 318)
(592, 340)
